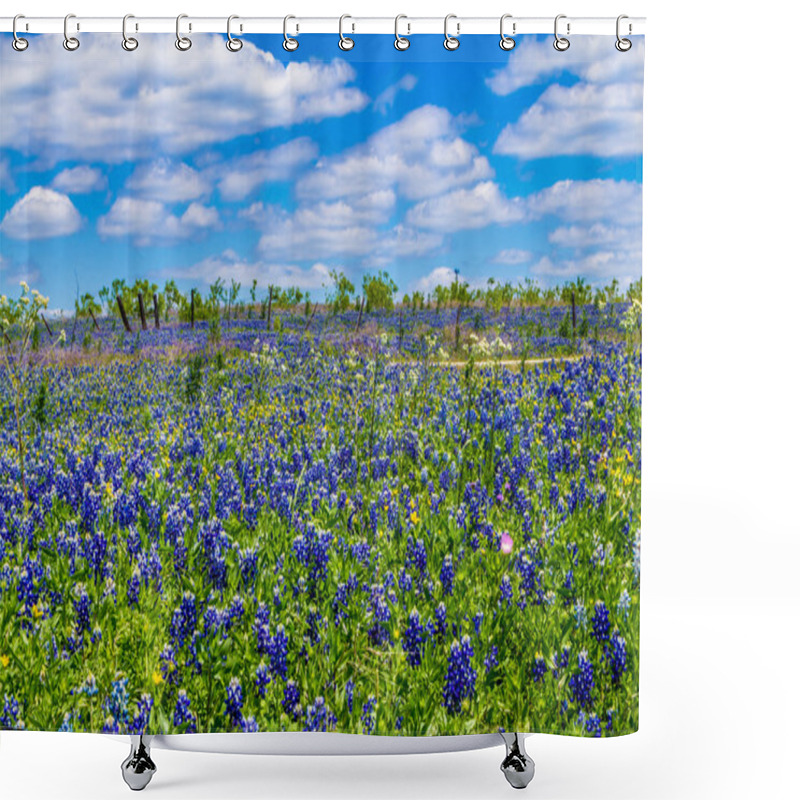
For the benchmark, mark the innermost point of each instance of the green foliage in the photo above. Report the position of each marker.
(340, 292)
(379, 291)
(193, 379)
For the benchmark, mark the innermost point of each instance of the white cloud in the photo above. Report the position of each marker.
(581, 236)
(228, 264)
(80, 180)
(600, 115)
(6, 179)
(513, 256)
(41, 214)
(441, 276)
(461, 209)
(420, 155)
(174, 102)
(583, 119)
(149, 222)
(385, 100)
(589, 58)
(12, 273)
(594, 200)
(597, 266)
(167, 182)
(239, 177)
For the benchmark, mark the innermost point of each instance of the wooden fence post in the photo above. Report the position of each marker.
(44, 319)
(141, 312)
(155, 311)
(123, 314)
(313, 311)
(91, 314)
(574, 319)
(360, 310)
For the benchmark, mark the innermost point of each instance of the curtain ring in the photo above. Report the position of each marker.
(181, 42)
(128, 42)
(345, 42)
(506, 42)
(561, 43)
(290, 44)
(623, 45)
(451, 42)
(70, 42)
(18, 43)
(233, 44)
(401, 42)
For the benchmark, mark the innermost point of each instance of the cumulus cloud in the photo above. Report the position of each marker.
(175, 102)
(441, 276)
(6, 179)
(596, 200)
(513, 256)
(80, 180)
(241, 176)
(583, 119)
(149, 222)
(483, 204)
(600, 115)
(589, 58)
(420, 155)
(41, 214)
(167, 182)
(12, 273)
(229, 264)
(385, 100)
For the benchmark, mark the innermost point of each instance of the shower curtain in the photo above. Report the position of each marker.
(320, 397)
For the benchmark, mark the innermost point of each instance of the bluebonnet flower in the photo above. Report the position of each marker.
(592, 724)
(624, 604)
(413, 639)
(368, 714)
(263, 679)
(184, 620)
(143, 708)
(348, 690)
(447, 574)
(10, 716)
(580, 614)
(398, 723)
(539, 668)
(278, 650)
(183, 714)
(248, 566)
(491, 659)
(116, 704)
(600, 623)
(477, 623)
(581, 684)
(318, 717)
(169, 667)
(233, 703)
(461, 676)
(249, 725)
(616, 654)
(381, 615)
(506, 591)
(66, 725)
(134, 587)
(82, 605)
(291, 699)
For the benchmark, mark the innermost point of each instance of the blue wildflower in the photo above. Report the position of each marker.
(461, 676)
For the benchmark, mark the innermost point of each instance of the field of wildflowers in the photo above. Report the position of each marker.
(409, 523)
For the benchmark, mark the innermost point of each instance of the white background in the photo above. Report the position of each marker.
(720, 704)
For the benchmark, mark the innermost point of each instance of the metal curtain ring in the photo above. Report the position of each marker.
(290, 44)
(181, 42)
(233, 44)
(451, 42)
(401, 42)
(561, 43)
(623, 45)
(70, 42)
(345, 42)
(128, 42)
(506, 42)
(18, 43)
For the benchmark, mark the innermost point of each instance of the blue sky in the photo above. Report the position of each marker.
(282, 167)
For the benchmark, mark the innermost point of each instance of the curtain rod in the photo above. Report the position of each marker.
(253, 25)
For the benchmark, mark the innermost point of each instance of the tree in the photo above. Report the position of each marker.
(379, 291)
(339, 298)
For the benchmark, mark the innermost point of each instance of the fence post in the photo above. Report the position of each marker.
(155, 311)
(313, 311)
(360, 310)
(44, 319)
(123, 314)
(141, 312)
